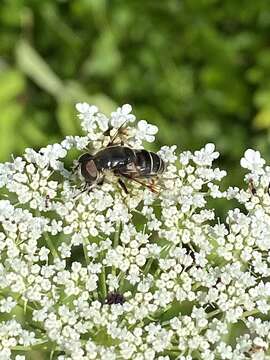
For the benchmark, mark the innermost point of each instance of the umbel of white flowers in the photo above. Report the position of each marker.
(107, 275)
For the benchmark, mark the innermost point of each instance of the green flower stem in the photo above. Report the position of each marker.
(157, 273)
(173, 348)
(85, 252)
(51, 246)
(214, 313)
(52, 353)
(24, 305)
(49, 241)
(121, 282)
(116, 242)
(87, 261)
(249, 313)
(36, 327)
(174, 354)
(42, 345)
(102, 283)
(67, 299)
(148, 266)
(116, 235)
(196, 286)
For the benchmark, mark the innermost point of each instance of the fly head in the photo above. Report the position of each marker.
(88, 168)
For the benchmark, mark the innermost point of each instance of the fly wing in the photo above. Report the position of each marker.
(129, 170)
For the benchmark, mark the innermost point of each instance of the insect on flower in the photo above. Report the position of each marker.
(47, 200)
(124, 162)
(115, 298)
(252, 187)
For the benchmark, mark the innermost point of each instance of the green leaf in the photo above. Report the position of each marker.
(67, 120)
(74, 93)
(32, 64)
(105, 59)
(262, 119)
(10, 113)
(11, 85)
(33, 134)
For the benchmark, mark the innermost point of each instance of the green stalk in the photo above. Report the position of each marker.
(24, 305)
(102, 283)
(29, 348)
(51, 246)
(116, 243)
(148, 266)
(249, 313)
(52, 353)
(121, 282)
(116, 235)
(49, 242)
(87, 259)
(213, 313)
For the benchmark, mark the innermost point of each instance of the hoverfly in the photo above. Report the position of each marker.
(124, 162)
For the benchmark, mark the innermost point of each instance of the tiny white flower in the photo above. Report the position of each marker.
(252, 160)
(205, 156)
(122, 116)
(146, 131)
(6, 305)
(167, 153)
(185, 157)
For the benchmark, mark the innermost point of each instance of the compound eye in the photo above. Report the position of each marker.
(92, 169)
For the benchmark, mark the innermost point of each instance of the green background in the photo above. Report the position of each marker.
(199, 69)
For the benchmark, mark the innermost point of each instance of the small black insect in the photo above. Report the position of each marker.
(115, 298)
(124, 162)
(47, 200)
(252, 187)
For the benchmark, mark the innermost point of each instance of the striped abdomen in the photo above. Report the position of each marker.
(148, 163)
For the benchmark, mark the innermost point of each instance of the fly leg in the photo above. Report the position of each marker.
(123, 185)
(120, 181)
(153, 184)
(149, 186)
(131, 172)
(86, 188)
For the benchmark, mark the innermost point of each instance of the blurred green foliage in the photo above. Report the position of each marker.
(199, 69)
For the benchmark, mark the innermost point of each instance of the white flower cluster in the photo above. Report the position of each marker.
(105, 274)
